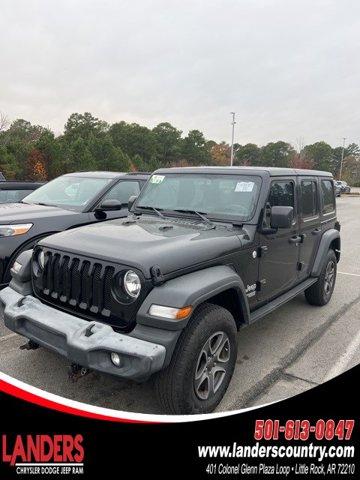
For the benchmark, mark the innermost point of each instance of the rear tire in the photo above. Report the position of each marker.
(321, 292)
(202, 364)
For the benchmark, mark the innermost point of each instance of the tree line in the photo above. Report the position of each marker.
(33, 152)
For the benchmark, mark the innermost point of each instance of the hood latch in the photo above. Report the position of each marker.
(156, 275)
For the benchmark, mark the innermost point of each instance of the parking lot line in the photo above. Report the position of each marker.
(351, 274)
(344, 359)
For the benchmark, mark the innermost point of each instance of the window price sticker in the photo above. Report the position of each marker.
(157, 178)
(244, 187)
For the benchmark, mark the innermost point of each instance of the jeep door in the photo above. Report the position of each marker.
(309, 223)
(317, 205)
(280, 250)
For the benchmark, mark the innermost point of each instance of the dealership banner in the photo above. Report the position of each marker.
(312, 435)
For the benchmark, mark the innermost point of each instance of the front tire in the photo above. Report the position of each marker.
(321, 292)
(202, 364)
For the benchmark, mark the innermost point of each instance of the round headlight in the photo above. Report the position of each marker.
(132, 284)
(41, 259)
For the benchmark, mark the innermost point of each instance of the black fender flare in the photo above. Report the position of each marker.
(27, 245)
(192, 289)
(328, 237)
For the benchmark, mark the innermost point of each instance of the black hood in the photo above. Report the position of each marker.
(170, 244)
(24, 212)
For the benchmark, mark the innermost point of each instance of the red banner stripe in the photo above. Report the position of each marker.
(44, 402)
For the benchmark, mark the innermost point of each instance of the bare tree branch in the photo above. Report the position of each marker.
(4, 121)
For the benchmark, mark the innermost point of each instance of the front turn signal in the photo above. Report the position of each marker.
(170, 312)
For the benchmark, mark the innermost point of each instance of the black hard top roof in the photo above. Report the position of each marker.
(271, 171)
(110, 175)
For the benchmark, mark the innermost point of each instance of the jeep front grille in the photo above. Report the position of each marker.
(85, 286)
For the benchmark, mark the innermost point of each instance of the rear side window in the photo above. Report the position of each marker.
(13, 196)
(282, 194)
(308, 198)
(327, 194)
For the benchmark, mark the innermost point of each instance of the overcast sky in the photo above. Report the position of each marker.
(289, 69)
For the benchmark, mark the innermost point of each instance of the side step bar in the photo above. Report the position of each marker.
(274, 304)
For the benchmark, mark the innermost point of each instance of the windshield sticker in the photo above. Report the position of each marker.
(157, 178)
(244, 186)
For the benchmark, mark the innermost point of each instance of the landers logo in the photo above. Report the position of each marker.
(44, 454)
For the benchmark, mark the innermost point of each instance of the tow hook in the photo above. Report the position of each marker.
(77, 371)
(30, 345)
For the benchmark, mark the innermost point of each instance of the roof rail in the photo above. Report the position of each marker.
(139, 173)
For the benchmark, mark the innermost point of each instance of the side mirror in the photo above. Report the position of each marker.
(131, 202)
(109, 205)
(281, 217)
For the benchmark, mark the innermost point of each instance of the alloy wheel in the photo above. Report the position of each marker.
(329, 277)
(212, 365)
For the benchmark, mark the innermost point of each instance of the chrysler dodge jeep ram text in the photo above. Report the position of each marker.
(68, 201)
(204, 252)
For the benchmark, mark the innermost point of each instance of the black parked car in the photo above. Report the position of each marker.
(206, 252)
(66, 202)
(13, 192)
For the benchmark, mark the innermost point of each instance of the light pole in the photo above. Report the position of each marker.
(342, 158)
(232, 139)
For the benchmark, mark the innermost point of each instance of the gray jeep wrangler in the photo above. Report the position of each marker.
(204, 252)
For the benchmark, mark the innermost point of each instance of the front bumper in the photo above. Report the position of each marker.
(87, 343)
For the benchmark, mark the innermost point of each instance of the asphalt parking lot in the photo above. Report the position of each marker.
(291, 350)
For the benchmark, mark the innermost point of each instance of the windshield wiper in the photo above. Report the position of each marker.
(202, 215)
(146, 207)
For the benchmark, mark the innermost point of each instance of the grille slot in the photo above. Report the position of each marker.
(97, 289)
(75, 281)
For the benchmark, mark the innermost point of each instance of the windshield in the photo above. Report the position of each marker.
(218, 196)
(68, 191)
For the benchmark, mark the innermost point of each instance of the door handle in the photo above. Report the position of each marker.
(295, 239)
(316, 231)
(262, 250)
